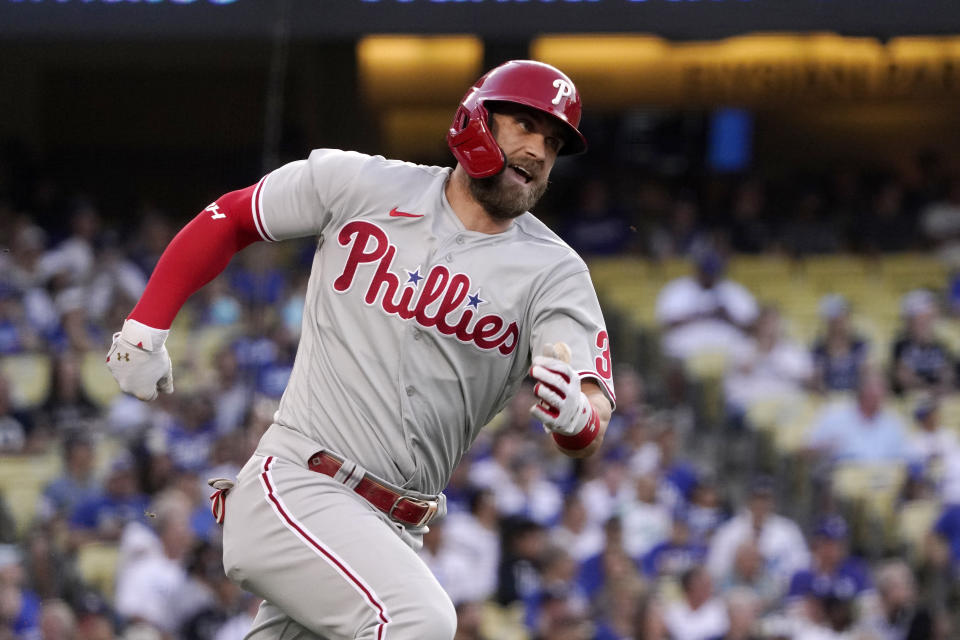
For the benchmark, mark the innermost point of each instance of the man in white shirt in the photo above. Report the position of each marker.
(779, 539)
(704, 312)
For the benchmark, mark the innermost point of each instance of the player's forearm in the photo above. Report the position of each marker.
(197, 254)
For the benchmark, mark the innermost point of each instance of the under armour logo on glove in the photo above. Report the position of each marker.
(139, 360)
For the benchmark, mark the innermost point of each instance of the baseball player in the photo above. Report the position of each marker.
(432, 293)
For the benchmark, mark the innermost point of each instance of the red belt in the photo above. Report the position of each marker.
(404, 509)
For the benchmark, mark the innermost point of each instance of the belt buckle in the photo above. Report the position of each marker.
(430, 505)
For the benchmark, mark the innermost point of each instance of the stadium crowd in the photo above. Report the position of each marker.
(649, 539)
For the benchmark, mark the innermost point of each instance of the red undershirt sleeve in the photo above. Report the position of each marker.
(198, 254)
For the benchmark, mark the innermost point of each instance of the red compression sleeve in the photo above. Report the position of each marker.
(196, 256)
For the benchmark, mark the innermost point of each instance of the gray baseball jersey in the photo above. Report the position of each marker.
(416, 331)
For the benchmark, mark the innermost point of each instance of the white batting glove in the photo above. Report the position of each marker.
(139, 360)
(563, 408)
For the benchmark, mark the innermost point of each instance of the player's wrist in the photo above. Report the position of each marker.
(142, 336)
(585, 433)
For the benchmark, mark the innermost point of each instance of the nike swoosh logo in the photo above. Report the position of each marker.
(396, 213)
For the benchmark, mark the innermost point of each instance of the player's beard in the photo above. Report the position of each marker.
(505, 199)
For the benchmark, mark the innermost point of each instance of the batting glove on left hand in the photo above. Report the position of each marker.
(563, 407)
(139, 360)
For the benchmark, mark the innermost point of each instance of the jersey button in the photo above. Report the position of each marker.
(417, 334)
(460, 240)
(410, 390)
(449, 257)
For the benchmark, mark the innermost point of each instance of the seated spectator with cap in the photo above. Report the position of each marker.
(866, 430)
(839, 354)
(832, 573)
(704, 312)
(920, 361)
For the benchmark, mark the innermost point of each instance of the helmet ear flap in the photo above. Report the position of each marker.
(473, 144)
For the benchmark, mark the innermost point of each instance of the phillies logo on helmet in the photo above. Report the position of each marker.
(564, 90)
(437, 303)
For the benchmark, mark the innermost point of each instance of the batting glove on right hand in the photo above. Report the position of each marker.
(563, 408)
(139, 360)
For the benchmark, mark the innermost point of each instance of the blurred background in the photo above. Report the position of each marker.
(770, 207)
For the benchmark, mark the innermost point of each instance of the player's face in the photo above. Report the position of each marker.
(530, 141)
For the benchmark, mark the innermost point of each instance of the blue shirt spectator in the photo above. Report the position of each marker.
(864, 431)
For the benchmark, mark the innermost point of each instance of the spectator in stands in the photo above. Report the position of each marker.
(866, 430)
(188, 439)
(943, 547)
(575, 533)
(524, 544)
(104, 517)
(57, 621)
(900, 614)
(68, 407)
(597, 227)
(21, 274)
(770, 366)
(617, 606)
(558, 573)
(749, 227)
(779, 539)
(608, 494)
(611, 564)
(749, 572)
(15, 426)
(888, 229)
(232, 394)
(807, 229)
(470, 622)
(704, 312)
(16, 334)
(19, 607)
(932, 445)
(530, 494)
(704, 510)
(475, 536)
(675, 555)
(113, 279)
(150, 588)
(920, 361)
(74, 257)
(681, 234)
(832, 572)
(743, 612)
(453, 570)
(839, 354)
(646, 522)
(698, 614)
(78, 483)
(940, 222)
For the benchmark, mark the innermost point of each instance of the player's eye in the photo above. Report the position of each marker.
(554, 143)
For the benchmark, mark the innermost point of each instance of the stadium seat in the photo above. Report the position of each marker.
(22, 479)
(97, 564)
(915, 520)
(96, 379)
(29, 377)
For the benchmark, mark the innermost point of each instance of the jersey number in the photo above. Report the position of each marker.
(603, 360)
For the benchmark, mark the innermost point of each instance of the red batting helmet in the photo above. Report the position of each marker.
(526, 82)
